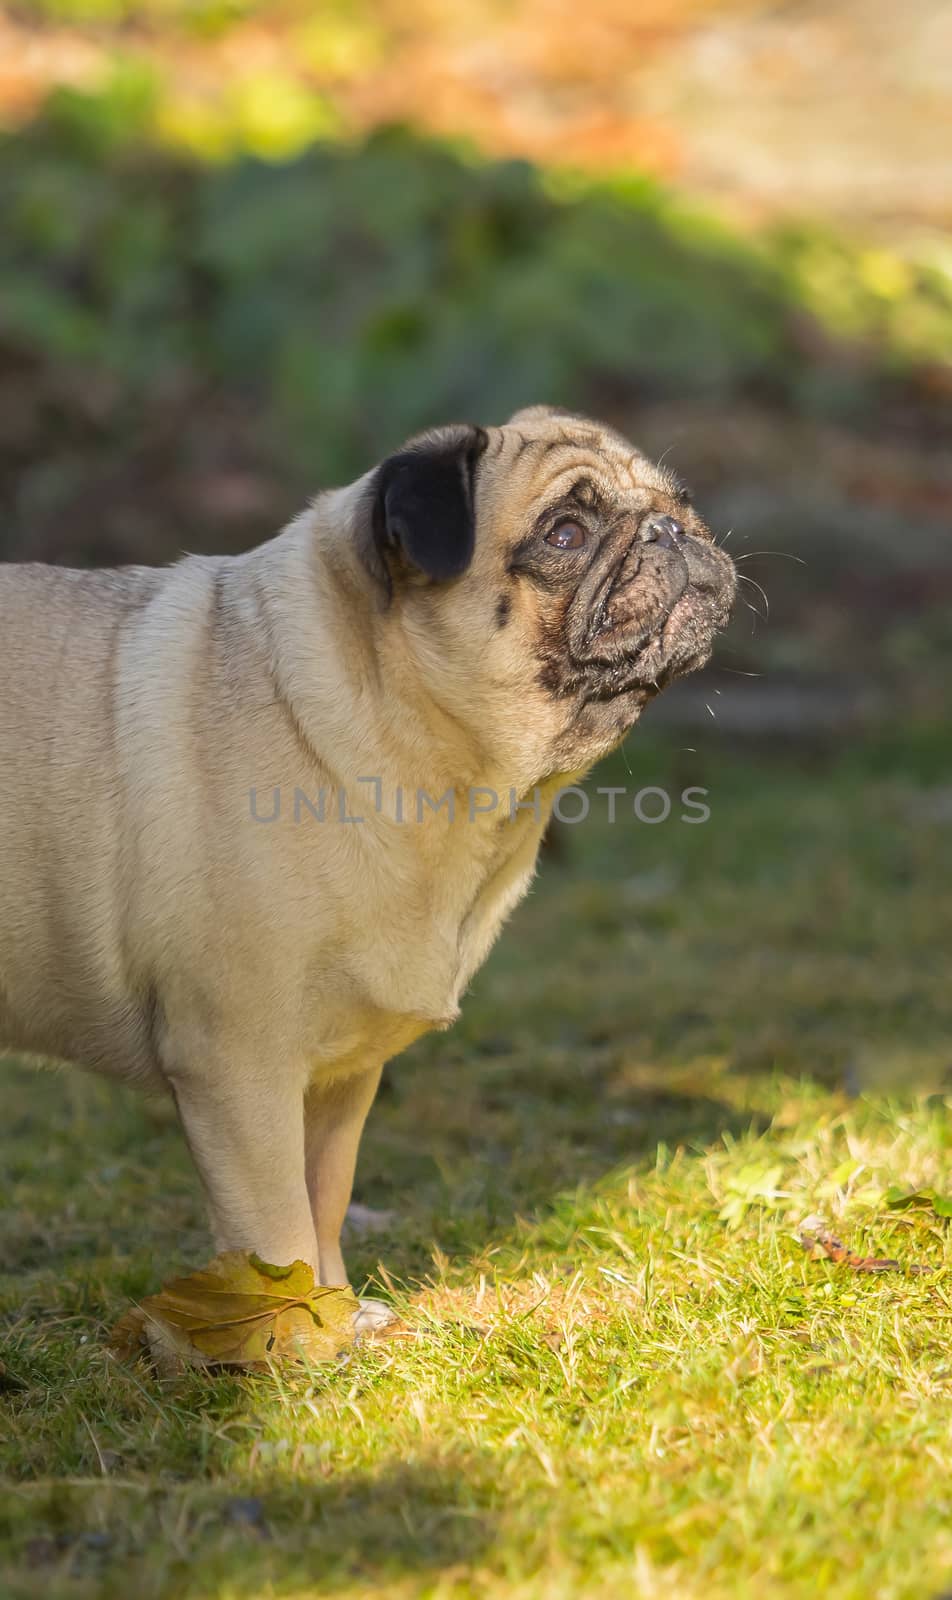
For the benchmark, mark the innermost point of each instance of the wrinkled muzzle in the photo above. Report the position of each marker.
(654, 613)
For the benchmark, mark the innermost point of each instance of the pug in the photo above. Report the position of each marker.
(263, 816)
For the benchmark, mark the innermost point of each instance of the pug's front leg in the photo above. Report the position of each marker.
(335, 1112)
(246, 1135)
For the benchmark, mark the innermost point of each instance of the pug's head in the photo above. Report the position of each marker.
(547, 577)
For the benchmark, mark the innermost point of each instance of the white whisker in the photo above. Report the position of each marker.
(787, 554)
(760, 591)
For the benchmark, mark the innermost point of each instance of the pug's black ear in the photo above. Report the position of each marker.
(424, 505)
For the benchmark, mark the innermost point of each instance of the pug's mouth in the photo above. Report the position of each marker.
(683, 643)
(651, 617)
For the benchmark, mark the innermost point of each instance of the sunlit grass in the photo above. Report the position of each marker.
(620, 1372)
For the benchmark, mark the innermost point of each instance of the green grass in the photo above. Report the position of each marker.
(622, 1375)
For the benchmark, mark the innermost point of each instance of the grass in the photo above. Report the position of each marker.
(622, 1374)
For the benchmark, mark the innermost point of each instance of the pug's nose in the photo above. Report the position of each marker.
(664, 530)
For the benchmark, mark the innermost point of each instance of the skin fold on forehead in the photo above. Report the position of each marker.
(543, 450)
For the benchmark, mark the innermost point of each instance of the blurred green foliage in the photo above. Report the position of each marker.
(359, 294)
(353, 294)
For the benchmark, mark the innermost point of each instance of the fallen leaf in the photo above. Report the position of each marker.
(814, 1236)
(238, 1311)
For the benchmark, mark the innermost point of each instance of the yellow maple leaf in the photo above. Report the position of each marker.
(238, 1311)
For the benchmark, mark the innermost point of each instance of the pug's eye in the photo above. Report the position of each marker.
(567, 536)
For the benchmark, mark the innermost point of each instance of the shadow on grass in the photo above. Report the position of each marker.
(189, 1539)
(101, 1183)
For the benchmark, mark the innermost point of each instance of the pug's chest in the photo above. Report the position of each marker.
(406, 966)
(502, 886)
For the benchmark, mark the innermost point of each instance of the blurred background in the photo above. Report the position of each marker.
(247, 247)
